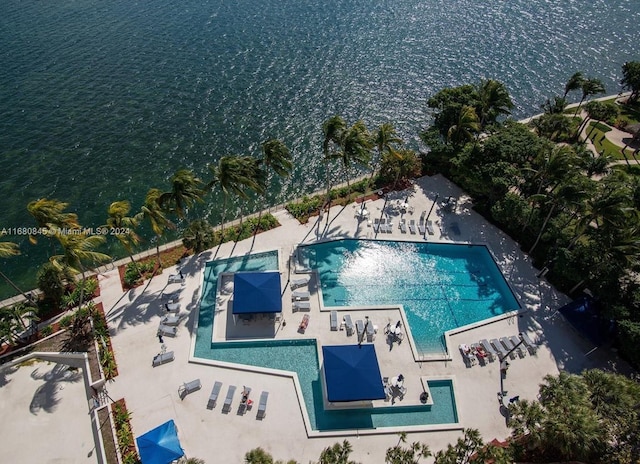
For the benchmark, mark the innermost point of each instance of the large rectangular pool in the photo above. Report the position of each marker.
(441, 286)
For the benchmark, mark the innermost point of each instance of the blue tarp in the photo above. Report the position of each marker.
(352, 373)
(160, 445)
(256, 292)
(582, 315)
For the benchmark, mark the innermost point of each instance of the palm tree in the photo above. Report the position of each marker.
(494, 100)
(153, 213)
(8, 249)
(355, 147)
(590, 86)
(277, 158)
(574, 83)
(186, 189)
(333, 129)
(78, 250)
(123, 227)
(466, 127)
(337, 454)
(236, 174)
(50, 214)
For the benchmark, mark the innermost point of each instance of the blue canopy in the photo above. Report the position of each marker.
(583, 315)
(256, 292)
(160, 445)
(352, 373)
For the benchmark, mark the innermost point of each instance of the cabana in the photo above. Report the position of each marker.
(256, 293)
(352, 373)
(160, 445)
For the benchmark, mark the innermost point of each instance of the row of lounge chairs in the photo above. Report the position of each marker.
(245, 402)
(498, 348)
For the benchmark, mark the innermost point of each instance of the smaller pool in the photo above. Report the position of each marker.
(301, 356)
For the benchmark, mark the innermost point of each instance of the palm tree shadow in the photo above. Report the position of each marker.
(4, 373)
(47, 397)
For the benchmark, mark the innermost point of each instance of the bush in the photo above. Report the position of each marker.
(629, 340)
(66, 321)
(46, 331)
(133, 270)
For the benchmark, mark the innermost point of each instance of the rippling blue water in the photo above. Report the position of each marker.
(100, 101)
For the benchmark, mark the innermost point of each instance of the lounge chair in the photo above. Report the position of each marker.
(300, 295)
(229, 398)
(170, 320)
(498, 347)
(488, 349)
(300, 281)
(403, 226)
(376, 225)
(383, 225)
(348, 325)
(389, 226)
(359, 329)
(371, 332)
(301, 305)
(532, 347)
(304, 323)
(172, 307)
(245, 402)
(506, 342)
(213, 397)
(421, 228)
(262, 405)
(189, 387)
(467, 354)
(176, 279)
(333, 320)
(170, 331)
(163, 358)
(522, 352)
(412, 226)
(429, 226)
(479, 352)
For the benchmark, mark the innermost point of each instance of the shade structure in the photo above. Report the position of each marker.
(583, 316)
(160, 445)
(352, 373)
(256, 292)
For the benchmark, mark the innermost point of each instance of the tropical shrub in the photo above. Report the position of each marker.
(133, 271)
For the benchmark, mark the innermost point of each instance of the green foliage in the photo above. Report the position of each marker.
(337, 454)
(260, 456)
(246, 229)
(85, 287)
(124, 435)
(46, 331)
(133, 270)
(52, 281)
(629, 340)
(398, 167)
(199, 236)
(406, 455)
(631, 78)
(66, 321)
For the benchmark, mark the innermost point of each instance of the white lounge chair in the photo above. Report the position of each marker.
(403, 226)
(429, 226)
(421, 228)
(467, 354)
(300, 295)
(479, 352)
(333, 320)
(359, 329)
(170, 320)
(245, 402)
(348, 325)
(532, 347)
(176, 279)
(301, 305)
(506, 342)
(189, 387)
(262, 405)
(383, 225)
(522, 352)
(389, 226)
(300, 281)
(229, 398)
(371, 331)
(498, 348)
(163, 358)
(213, 397)
(170, 331)
(488, 349)
(376, 225)
(412, 226)
(172, 307)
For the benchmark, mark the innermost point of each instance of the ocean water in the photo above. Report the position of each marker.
(100, 101)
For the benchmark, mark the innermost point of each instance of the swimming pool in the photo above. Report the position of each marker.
(441, 286)
(301, 356)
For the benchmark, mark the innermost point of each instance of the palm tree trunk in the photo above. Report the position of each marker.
(544, 225)
(578, 108)
(10, 282)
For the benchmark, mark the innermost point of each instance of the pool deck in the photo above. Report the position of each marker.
(152, 393)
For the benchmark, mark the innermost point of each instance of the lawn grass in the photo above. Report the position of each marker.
(601, 143)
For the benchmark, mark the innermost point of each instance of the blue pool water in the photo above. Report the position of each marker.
(442, 286)
(301, 356)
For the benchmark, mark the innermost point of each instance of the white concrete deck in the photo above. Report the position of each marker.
(152, 393)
